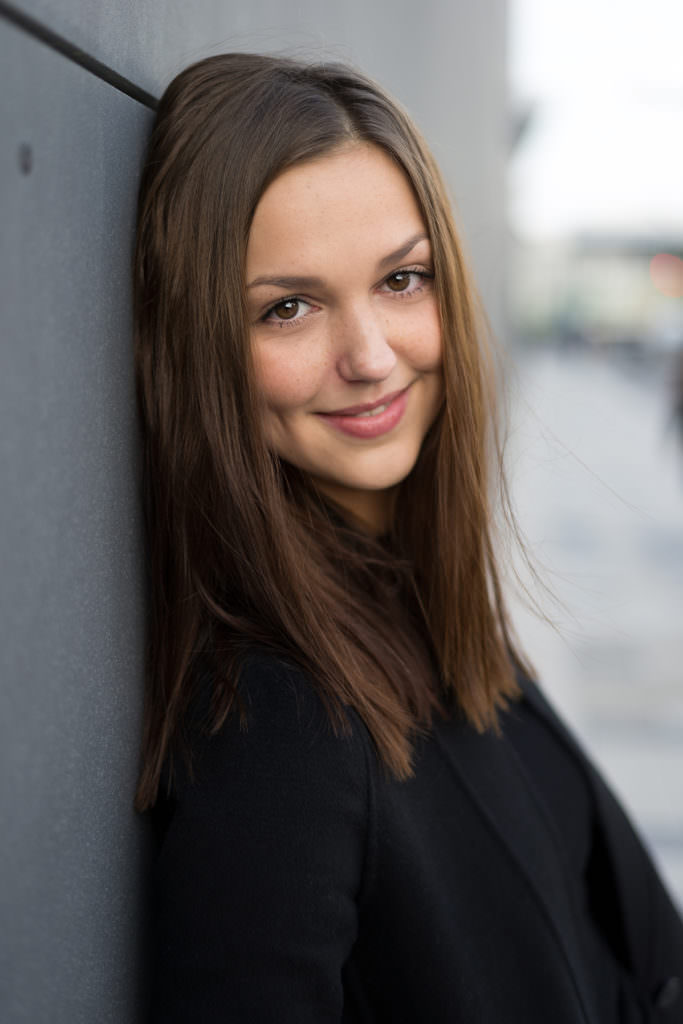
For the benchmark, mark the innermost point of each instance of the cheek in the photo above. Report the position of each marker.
(423, 339)
(288, 375)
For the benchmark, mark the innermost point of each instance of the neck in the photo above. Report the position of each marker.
(371, 511)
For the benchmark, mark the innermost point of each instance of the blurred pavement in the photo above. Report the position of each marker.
(597, 481)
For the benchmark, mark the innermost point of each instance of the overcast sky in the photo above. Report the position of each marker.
(604, 150)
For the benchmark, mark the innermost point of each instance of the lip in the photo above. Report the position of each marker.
(367, 427)
(352, 410)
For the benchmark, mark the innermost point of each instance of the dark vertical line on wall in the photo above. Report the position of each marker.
(56, 42)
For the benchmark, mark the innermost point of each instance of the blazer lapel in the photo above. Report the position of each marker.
(491, 774)
(651, 927)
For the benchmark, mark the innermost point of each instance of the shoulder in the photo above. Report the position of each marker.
(261, 867)
(284, 781)
(277, 692)
(285, 738)
(535, 699)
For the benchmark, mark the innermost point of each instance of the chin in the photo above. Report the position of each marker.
(381, 480)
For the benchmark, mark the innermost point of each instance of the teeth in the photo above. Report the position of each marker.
(372, 412)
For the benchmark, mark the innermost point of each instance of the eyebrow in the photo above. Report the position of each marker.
(403, 250)
(294, 283)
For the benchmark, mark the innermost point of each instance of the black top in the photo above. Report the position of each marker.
(565, 801)
(296, 883)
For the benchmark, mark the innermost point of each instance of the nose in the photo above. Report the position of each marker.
(364, 349)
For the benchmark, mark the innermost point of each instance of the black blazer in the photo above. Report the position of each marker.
(296, 883)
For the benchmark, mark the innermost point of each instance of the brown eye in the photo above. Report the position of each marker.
(399, 281)
(286, 310)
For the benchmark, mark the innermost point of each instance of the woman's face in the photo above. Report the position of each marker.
(344, 325)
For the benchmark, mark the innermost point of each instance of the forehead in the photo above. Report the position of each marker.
(353, 199)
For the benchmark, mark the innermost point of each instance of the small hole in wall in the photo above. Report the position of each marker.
(25, 158)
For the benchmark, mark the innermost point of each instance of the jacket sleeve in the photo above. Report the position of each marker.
(258, 879)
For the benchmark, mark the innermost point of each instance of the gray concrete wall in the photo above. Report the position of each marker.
(444, 59)
(71, 593)
(71, 605)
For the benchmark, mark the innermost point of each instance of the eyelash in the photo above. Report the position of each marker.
(421, 273)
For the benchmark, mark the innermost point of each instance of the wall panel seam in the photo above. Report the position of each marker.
(74, 53)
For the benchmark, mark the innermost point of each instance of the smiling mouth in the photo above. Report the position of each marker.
(372, 420)
(369, 408)
(370, 412)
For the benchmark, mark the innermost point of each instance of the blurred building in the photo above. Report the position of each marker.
(596, 290)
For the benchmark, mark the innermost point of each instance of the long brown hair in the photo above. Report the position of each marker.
(243, 553)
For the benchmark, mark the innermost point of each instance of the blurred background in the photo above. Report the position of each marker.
(595, 335)
(559, 130)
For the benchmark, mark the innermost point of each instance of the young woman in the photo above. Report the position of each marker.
(365, 809)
